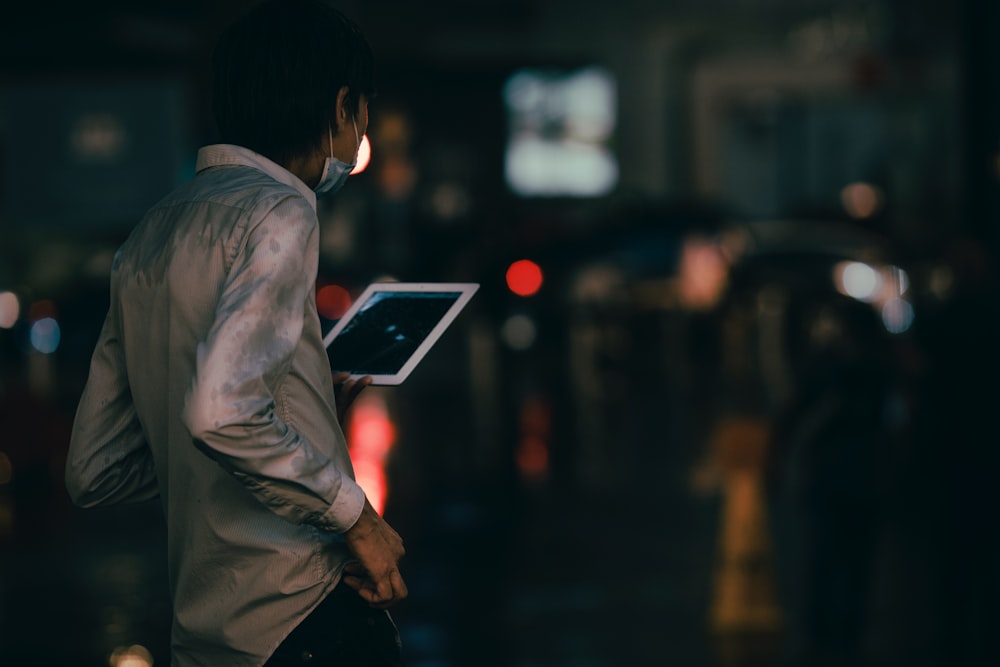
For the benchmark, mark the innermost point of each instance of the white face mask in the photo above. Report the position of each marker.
(335, 172)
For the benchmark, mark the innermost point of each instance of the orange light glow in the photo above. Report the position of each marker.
(132, 656)
(371, 435)
(364, 156)
(703, 274)
(533, 457)
(524, 277)
(861, 200)
(532, 453)
(332, 301)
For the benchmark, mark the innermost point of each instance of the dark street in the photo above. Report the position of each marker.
(725, 396)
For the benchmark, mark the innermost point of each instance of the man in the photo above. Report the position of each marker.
(207, 386)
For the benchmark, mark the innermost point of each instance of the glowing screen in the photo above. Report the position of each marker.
(386, 332)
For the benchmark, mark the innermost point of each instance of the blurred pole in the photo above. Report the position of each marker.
(981, 99)
(41, 376)
(484, 362)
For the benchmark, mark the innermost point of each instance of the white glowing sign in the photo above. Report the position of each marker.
(560, 126)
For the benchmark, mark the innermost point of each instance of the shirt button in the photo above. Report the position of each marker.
(307, 656)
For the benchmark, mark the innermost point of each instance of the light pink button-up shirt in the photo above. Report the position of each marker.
(211, 388)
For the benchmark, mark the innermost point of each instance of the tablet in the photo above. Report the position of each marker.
(391, 326)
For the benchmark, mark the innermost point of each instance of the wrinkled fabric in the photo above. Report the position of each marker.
(210, 387)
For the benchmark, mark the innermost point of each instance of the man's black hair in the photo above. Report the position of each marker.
(277, 72)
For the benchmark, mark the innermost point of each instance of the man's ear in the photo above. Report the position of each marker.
(343, 113)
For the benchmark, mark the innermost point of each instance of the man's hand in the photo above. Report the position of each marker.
(375, 574)
(345, 390)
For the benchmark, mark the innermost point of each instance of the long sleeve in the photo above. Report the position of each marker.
(109, 461)
(234, 408)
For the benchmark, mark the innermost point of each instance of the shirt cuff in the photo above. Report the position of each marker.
(346, 507)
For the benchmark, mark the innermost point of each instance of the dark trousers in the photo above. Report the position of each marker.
(343, 631)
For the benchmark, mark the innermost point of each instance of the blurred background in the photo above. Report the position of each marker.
(724, 394)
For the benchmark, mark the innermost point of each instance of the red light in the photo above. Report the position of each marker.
(333, 301)
(532, 457)
(532, 453)
(42, 309)
(370, 436)
(524, 277)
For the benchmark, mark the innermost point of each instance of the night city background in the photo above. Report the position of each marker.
(725, 394)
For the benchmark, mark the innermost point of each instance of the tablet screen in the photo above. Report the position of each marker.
(389, 330)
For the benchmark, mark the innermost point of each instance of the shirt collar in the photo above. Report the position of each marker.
(228, 154)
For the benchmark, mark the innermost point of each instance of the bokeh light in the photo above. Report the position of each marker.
(861, 200)
(370, 435)
(857, 280)
(519, 332)
(897, 315)
(561, 125)
(10, 310)
(703, 274)
(364, 156)
(131, 656)
(41, 309)
(532, 457)
(332, 301)
(532, 453)
(524, 277)
(45, 335)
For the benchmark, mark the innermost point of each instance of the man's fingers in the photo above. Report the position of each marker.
(355, 568)
(380, 594)
(398, 585)
(347, 390)
(390, 590)
(374, 602)
(354, 387)
(377, 549)
(367, 591)
(383, 589)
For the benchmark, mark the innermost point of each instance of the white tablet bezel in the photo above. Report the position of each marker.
(465, 290)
